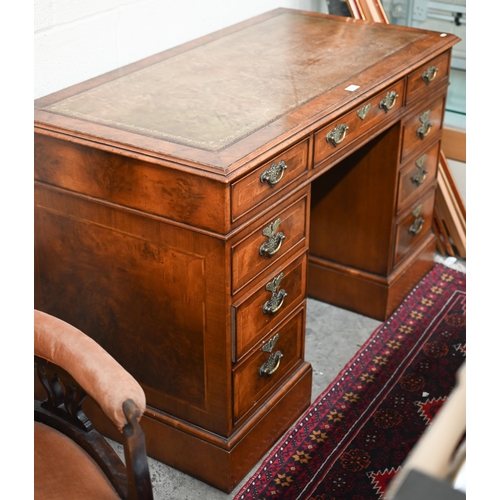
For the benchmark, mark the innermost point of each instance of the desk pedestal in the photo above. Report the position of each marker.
(187, 204)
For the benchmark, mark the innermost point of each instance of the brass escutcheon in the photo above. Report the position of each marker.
(416, 227)
(363, 112)
(277, 297)
(429, 74)
(425, 128)
(337, 135)
(274, 174)
(269, 345)
(422, 172)
(273, 244)
(389, 100)
(273, 362)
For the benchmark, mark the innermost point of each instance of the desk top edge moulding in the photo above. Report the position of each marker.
(187, 204)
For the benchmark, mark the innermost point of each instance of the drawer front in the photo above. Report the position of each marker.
(266, 245)
(269, 302)
(416, 175)
(270, 362)
(414, 226)
(428, 76)
(422, 127)
(268, 179)
(341, 132)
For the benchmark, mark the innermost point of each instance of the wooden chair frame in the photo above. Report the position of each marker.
(62, 410)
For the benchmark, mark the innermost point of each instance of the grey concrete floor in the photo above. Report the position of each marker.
(333, 336)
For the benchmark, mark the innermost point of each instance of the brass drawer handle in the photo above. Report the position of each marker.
(274, 174)
(277, 299)
(419, 178)
(274, 241)
(337, 135)
(272, 364)
(429, 74)
(425, 128)
(274, 360)
(416, 227)
(389, 100)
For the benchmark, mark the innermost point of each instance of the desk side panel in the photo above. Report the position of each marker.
(93, 170)
(150, 293)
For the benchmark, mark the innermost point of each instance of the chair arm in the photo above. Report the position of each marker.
(98, 373)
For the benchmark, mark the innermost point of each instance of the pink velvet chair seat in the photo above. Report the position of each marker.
(64, 471)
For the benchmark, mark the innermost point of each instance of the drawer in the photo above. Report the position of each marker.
(416, 175)
(422, 127)
(428, 76)
(273, 239)
(269, 363)
(345, 129)
(275, 295)
(268, 179)
(414, 226)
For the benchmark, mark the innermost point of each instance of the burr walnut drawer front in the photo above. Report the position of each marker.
(348, 127)
(268, 364)
(416, 175)
(268, 179)
(413, 226)
(428, 76)
(273, 239)
(422, 127)
(274, 296)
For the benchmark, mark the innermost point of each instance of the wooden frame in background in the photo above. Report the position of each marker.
(369, 10)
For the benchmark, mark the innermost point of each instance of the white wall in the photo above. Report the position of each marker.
(76, 40)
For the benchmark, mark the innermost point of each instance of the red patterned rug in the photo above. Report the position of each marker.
(351, 442)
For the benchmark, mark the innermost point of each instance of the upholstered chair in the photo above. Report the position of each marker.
(73, 461)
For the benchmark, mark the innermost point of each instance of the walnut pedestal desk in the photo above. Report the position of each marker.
(187, 204)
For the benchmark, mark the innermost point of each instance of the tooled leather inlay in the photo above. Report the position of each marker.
(217, 93)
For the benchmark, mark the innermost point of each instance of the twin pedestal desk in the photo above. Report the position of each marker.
(187, 204)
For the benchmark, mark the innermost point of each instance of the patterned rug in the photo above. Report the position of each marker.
(351, 442)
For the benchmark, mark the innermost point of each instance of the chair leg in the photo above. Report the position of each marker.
(134, 447)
